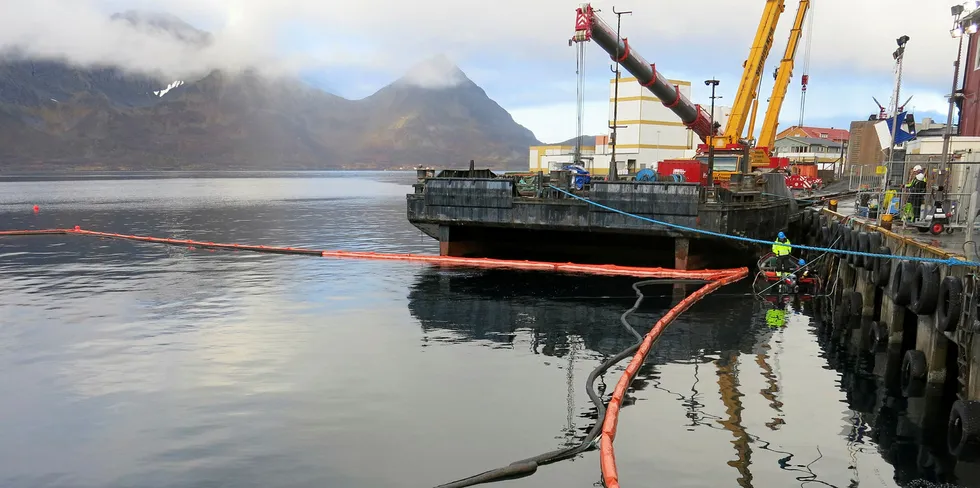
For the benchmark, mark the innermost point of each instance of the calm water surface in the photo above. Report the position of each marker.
(127, 364)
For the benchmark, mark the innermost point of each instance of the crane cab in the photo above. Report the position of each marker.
(726, 164)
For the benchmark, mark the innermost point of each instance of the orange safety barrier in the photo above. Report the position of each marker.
(596, 269)
(716, 278)
(607, 453)
(33, 232)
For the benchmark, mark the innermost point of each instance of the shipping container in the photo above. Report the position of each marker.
(806, 170)
(693, 171)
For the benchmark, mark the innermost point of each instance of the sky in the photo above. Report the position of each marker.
(517, 50)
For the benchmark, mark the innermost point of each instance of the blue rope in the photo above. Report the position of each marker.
(949, 261)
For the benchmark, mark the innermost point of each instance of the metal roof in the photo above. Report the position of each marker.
(812, 141)
(973, 16)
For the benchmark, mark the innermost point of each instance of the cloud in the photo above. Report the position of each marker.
(555, 122)
(437, 72)
(516, 49)
(400, 33)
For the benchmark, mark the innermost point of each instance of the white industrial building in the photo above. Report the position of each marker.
(934, 145)
(648, 132)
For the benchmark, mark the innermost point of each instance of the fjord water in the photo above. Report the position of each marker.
(129, 364)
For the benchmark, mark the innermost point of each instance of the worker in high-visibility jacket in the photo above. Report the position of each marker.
(782, 248)
(916, 188)
(776, 318)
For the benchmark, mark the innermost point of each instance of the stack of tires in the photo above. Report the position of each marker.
(913, 284)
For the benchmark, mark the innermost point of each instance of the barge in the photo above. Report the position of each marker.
(476, 213)
(554, 216)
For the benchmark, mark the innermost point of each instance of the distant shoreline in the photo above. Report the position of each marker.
(90, 173)
(8, 176)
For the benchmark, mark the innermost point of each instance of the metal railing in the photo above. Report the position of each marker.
(864, 178)
(958, 208)
(873, 204)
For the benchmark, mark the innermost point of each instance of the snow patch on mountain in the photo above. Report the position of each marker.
(169, 87)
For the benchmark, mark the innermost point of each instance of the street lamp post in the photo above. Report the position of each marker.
(957, 31)
(613, 170)
(657, 154)
(899, 56)
(713, 83)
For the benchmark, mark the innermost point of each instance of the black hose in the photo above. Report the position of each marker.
(527, 467)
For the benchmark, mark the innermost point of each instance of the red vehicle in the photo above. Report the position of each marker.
(801, 182)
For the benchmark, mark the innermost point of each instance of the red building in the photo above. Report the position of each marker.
(969, 103)
(839, 136)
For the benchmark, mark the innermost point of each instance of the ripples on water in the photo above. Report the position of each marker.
(130, 364)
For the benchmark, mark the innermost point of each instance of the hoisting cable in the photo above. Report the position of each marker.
(527, 467)
(579, 102)
(805, 79)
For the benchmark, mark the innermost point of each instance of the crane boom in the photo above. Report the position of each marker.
(767, 137)
(752, 73)
(588, 26)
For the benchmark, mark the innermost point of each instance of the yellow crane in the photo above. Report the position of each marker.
(730, 147)
(751, 76)
(767, 136)
(732, 399)
(760, 154)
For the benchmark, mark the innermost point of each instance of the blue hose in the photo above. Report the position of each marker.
(949, 261)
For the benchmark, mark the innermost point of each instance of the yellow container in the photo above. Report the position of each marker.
(886, 221)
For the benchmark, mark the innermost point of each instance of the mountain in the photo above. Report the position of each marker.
(34, 84)
(57, 116)
(157, 23)
(586, 141)
(436, 115)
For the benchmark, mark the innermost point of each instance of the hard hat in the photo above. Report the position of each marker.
(917, 168)
(802, 262)
(781, 235)
(920, 176)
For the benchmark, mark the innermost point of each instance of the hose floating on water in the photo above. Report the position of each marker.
(595, 269)
(608, 455)
(608, 415)
(639, 351)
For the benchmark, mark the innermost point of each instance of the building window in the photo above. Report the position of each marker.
(976, 55)
(823, 135)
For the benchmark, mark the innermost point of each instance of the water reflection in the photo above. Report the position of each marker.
(909, 433)
(495, 307)
(739, 351)
(250, 370)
